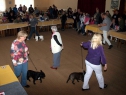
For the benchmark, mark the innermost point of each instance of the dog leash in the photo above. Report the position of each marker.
(82, 60)
(82, 56)
(32, 62)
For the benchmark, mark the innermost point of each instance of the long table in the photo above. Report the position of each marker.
(113, 33)
(9, 82)
(6, 26)
(43, 23)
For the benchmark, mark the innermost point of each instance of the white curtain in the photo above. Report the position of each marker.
(2, 5)
(27, 3)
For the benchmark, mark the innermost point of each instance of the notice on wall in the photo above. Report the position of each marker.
(9, 2)
(114, 4)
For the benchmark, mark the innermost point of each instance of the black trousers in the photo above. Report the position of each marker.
(75, 24)
(63, 24)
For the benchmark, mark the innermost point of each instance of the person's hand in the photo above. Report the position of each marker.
(15, 64)
(26, 49)
(21, 60)
(81, 44)
(105, 67)
(28, 52)
(99, 24)
(62, 47)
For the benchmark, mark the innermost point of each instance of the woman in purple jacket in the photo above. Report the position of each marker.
(93, 61)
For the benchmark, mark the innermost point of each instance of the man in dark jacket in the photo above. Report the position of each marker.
(30, 10)
(63, 20)
(116, 16)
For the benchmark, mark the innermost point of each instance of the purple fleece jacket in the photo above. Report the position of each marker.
(94, 56)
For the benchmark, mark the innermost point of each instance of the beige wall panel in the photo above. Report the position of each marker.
(64, 4)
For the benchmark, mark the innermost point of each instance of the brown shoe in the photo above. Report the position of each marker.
(53, 68)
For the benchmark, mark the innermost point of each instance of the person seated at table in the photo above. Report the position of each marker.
(84, 23)
(41, 13)
(11, 18)
(113, 24)
(25, 19)
(27, 15)
(6, 13)
(92, 21)
(121, 24)
(4, 19)
(17, 20)
(63, 20)
(45, 17)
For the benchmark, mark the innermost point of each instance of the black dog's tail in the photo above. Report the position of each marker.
(68, 78)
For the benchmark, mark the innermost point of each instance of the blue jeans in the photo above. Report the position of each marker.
(33, 30)
(83, 29)
(56, 59)
(22, 70)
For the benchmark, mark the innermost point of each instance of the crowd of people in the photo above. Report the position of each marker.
(81, 19)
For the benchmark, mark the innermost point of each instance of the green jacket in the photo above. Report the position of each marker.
(17, 21)
(121, 24)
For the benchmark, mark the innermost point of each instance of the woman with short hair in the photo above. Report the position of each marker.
(19, 54)
(56, 47)
(93, 61)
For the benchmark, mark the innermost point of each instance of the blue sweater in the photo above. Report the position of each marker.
(95, 56)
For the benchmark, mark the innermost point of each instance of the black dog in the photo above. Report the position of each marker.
(76, 75)
(35, 75)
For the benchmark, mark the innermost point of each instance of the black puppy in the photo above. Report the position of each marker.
(76, 75)
(35, 75)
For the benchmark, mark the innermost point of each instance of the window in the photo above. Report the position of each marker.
(27, 3)
(2, 5)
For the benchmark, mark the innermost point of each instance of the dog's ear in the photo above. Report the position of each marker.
(84, 72)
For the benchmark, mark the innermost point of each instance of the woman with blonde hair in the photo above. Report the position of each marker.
(93, 61)
(19, 55)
